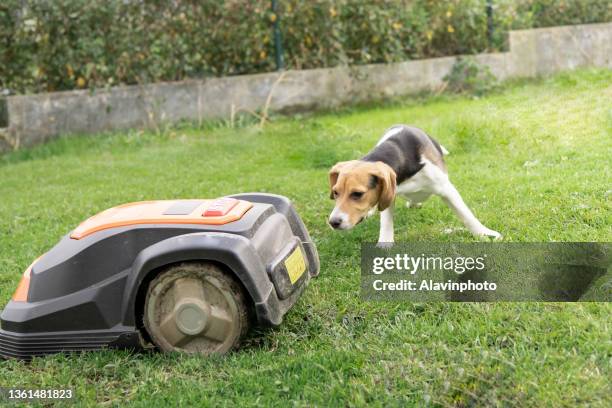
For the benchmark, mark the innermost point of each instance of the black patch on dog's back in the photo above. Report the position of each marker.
(402, 151)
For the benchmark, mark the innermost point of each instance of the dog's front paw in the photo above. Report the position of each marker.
(489, 233)
(385, 245)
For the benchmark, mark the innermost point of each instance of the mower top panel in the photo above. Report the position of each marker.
(206, 212)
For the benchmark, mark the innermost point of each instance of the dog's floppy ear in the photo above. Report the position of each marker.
(387, 179)
(333, 176)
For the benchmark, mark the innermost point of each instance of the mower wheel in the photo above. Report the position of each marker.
(195, 308)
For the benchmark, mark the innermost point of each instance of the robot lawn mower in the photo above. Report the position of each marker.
(185, 275)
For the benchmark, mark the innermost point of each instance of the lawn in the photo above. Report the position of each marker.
(533, 162)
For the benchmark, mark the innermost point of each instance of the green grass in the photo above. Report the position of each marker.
(533, 162)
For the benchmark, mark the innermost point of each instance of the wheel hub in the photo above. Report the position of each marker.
(191, 316)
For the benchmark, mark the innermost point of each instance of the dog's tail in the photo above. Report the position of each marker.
(438, 146)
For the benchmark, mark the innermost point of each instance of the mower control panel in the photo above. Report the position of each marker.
(220, 206)
(219, 211)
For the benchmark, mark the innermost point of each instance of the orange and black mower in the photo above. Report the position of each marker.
(182, 275)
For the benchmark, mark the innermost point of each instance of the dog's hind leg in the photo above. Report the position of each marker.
(453, 199)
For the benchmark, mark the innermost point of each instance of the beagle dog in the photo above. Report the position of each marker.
(407, 162)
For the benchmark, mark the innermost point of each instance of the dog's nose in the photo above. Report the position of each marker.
(335, 222)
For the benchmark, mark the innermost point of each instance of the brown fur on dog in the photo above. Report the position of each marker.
(358, 186)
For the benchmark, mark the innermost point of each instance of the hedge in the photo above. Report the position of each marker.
(68, 44)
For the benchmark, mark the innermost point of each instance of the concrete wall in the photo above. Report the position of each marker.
(36, 118)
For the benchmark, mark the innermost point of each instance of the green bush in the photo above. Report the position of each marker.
(68, 44)
(469, 76)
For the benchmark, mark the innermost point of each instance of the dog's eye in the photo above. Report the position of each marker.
(335, 194)
(356, 195)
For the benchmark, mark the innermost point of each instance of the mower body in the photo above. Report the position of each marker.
(87, 292)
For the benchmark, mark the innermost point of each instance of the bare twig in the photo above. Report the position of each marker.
(264, 116)
(264, 112)
(232, 115)
(581, 49)
(257, 115)
(235, 111)
(199, 106)
(441, 88)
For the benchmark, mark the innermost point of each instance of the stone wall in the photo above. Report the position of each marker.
(36, 118)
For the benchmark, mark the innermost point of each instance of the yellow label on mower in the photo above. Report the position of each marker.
(295, 265)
